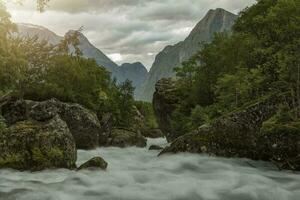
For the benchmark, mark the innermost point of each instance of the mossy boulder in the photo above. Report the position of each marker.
(83, 124)
(33, 145)
(279, 142)
(232, 135)
(94, 163)
(125, 138)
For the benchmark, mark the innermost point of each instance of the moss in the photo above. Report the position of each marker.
(55, 154)
(26, 127)
(46, 157)
(2, 124)
(11, 161)
(271, 127)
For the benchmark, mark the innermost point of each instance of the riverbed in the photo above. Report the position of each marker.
(138, 174)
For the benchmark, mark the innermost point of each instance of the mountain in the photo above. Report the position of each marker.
(218, 20)
(135, 72)
(90, 51)
(30, 30)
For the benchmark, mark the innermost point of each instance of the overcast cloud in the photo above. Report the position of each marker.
(125, 30)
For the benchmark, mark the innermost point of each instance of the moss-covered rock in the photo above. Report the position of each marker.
(94, 163)
(33, 145)
(279, 142)
(255, 131)
(232, 135)
(83, 124)
(125, 138)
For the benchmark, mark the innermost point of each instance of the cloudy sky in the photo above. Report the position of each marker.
(125, 30)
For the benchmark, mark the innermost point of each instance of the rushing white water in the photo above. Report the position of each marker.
(138, 174)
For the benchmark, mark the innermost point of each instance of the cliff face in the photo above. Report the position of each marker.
(218, 20)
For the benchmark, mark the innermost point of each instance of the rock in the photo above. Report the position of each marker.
(165, 101)
(125, 138)
(155, 147)
(94, 163)
(233, 135)
(83, 124)
(279, 142)
(33, 145)
(152, 133)
(14, 110)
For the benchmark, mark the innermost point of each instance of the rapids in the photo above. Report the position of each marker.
(138, 174)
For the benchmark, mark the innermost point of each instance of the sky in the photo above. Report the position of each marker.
(125, 30)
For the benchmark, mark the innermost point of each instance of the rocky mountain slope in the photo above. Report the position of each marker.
(218, 20)
(135, 72)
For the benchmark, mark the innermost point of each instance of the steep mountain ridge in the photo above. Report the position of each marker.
(218, 20)
(137, 71)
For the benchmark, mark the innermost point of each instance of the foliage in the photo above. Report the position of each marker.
(260, 56)
(36, 70)
(146, 109)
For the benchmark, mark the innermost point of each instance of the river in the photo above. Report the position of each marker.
(138, 174)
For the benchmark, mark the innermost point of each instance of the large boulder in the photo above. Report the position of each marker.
(239, 134)
(83, 124)
(125, 138)
(33, 145)
(94, 163)
(165, 101)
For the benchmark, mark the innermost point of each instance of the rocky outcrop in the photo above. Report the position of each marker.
(94, 163)
(240, 134)
(172, 56)
(125, 138)
(33, 145)
(165, 101)
(82, 123)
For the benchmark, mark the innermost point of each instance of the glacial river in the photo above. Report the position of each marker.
(138, 174)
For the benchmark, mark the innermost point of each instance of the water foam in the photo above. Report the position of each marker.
(138, 174)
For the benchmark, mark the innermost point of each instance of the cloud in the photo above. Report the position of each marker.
(127, 30)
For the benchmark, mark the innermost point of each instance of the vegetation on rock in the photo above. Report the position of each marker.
(234, 86)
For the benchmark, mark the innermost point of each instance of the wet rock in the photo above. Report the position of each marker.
(155, 147)
(94, 163)
(125, 138)
(152, 133)
(33, 145)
